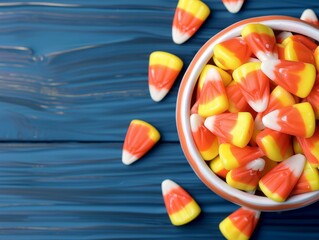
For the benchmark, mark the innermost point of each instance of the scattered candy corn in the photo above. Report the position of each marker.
(163, 70)
(310, 16)
(310, 147)
(234, 157)
(308, 181)
(180, 206)
(217, 167)
(279, 182)
(261, 40)
(189, 16)
(254, 85)
(206, 142)
(296, 77)
(297, 120)
(275, 145)
(232, 53)
(240, 224)
(233, 6)
(246, 177)
(213, 99)
(234, 128)
(140, 138)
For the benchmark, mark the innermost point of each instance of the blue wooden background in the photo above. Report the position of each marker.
(73, 74)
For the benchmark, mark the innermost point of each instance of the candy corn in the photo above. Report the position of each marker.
(225, 76)
(213, 98)
(236, 101)
(233, 6)
(240, 224)
(310, 147)
(232, 53)
(309, 43)
(246, 177)
(297, 120)
(316, 56)
(276, 146)
(254, 85)
(216, 165)
(163, 70)
(279, 182)
(261, 40)
(313, 98)
(234, 157)
(189, 16)
(308, 15)
(180, 206)
(297, 51)
(234, 128)
(206, 142)
(140, 138)
(308, 181)
(296, 77)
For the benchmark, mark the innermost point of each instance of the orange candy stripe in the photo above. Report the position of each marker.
(245, 220)
(237, 102)
(186, 22)
(162, 77)
(176, 194)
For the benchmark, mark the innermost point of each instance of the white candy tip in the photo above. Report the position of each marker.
(309, 15)
(256, 165)
(210, 122)
(268, 67)
(168, 185)
(233, 6)
(157, 94)
(270, 120)
(213, 75)
(178, 36)
(128, 158)
(260, 105)
(296, 163)
(196, 121)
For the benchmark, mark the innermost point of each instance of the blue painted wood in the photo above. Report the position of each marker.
(76, 71)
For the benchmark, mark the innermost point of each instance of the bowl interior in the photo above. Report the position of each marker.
(184, 98)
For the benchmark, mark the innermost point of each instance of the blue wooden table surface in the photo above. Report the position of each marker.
(73, 74)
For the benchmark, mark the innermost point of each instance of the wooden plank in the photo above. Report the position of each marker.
(83, 191)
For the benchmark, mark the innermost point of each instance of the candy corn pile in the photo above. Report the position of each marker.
(253, 119)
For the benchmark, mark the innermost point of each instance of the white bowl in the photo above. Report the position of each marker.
(216, 184)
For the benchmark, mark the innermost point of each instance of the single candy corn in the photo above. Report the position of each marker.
(234, 157)
(276, 146)
(296, 77)
(213, 98)
(261, 40)
(225, 76)
(246, 177)
(240, 224)
(234, 128)
(236, 100)
(308, 15)
(310, 147)
(309, 43)
(233, 6)
(279, 182)
(282, 36)
(216, 165)
(163, 70)
(180, 206)
(297, 120)
(140, 138)
(232, 53)
(297, 51)
(206, 142)
(308, 181)
(254, 85)
(189, 16)
(313, 97)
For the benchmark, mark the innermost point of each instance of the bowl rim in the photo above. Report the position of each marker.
(200, 167)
